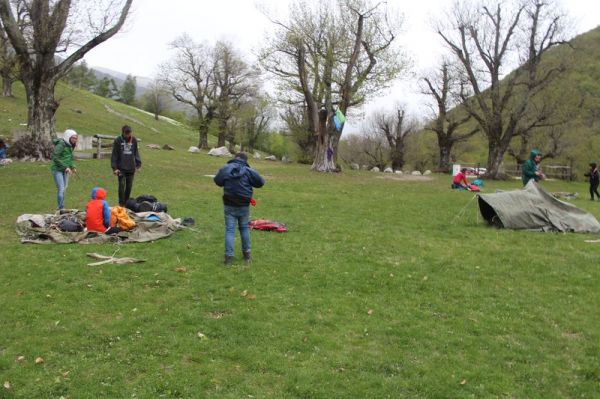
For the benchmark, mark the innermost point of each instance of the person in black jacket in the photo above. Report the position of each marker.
(237, 179)
(125, 160)
(594, 176)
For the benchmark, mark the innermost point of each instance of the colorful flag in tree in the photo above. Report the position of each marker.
(339, 119)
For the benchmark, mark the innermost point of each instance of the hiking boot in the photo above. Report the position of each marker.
(228, 260)
(247, 257)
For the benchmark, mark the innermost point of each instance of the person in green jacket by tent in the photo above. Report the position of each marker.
(62, 164)
(531, 168)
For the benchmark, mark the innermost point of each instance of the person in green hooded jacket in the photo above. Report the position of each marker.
(531, 168)
(62, 164)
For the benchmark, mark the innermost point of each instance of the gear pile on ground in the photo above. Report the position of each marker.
(46, 228)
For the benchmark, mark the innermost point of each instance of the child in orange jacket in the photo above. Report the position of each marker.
(97, 217)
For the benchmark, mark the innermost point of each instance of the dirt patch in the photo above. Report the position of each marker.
(405, 177)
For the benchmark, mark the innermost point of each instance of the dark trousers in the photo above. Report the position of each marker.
(125, 184)
(594, 189)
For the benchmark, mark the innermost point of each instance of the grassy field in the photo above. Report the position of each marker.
(373, 293)
(382, 287)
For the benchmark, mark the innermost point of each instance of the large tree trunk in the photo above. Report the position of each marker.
(41, 108)
(398, 156)
(7, 87)
(222, 132)
(444, 161)
(203, 137)
(496, 153)
(203, 129)
(326, 150)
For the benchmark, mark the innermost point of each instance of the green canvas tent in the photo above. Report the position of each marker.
(532, 208)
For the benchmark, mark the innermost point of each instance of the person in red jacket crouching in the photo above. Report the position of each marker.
(97, 211)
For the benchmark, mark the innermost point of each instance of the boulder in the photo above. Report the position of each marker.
(168, 147)
(354, 166)
(398, 172)
(375, 169)
(153, 146)
(415, 173)
(388, 170)
(427, 172)
(194, 150)
(285, 159)
(271, 158)
(256, 155)
(220, 152)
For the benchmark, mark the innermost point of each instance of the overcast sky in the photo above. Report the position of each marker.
(143, 43)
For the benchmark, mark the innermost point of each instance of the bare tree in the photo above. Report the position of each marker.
(448, 119)
(395, 127)
(156, 99)
(254, 117)
(485, 38)
(52, 32)
(376, 148)
(334, 55)
(236, 83)
(190, 78)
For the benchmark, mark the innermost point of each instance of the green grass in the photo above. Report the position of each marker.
(378, 290)
(373, 293)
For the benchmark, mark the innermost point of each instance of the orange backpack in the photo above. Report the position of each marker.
(119, 218)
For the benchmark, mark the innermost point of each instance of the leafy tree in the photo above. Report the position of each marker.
(252, 119)
(335, 54)
(106, 87)
(53, 31)
(81, 76)
(128, 89)
(299, 131)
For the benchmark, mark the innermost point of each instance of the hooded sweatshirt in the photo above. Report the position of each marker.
(125, 155)
(529, 168)
(62, 157)
(237, 179)
(97, 211)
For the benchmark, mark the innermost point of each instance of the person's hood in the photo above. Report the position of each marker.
(238, 167)
(68, 134)
(534, 153)
(98, 193)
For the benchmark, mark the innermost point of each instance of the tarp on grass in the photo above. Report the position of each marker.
(43, 228)
(532, 208)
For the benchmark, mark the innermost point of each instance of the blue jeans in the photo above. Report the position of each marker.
(236, 215)
(61, 179)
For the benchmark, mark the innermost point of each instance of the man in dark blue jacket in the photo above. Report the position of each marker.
(237, 179)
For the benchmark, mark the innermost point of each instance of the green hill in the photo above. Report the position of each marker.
(90, 114)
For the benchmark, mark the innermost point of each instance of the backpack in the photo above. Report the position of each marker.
(119, 218)
(69, 226)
